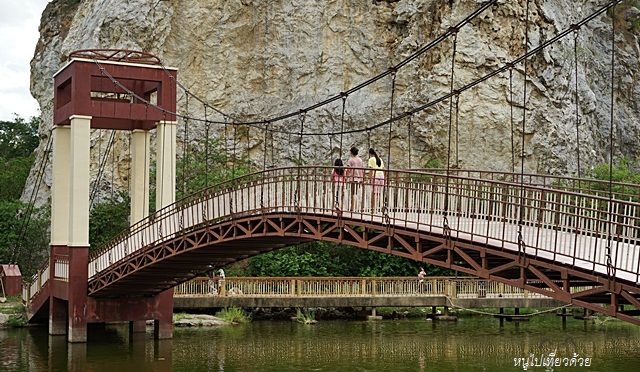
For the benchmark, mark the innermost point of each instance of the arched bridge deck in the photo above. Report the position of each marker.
(572, 232)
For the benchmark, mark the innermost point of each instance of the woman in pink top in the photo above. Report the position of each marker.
(337, 174)
(355, 171)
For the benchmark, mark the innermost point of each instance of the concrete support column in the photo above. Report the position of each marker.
(60, 192)
(78, 227)
(139, 183)
(165, 164)
(374, 315)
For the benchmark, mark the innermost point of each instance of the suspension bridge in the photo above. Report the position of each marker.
(568, 238)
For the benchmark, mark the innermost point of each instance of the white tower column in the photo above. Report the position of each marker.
(79, 181)
(60, 186)
(139, 182)
(165, 164)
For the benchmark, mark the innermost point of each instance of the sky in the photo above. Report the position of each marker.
(19, 21)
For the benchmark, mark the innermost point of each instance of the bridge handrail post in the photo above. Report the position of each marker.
(292, 289)
(363, 286)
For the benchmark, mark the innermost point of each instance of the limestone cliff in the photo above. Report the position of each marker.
(255, 59)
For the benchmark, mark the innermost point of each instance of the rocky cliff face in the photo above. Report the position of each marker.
(256, 59)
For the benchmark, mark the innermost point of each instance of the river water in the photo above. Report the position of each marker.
(471, 344)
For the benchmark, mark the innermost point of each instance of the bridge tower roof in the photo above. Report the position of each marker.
(119, 89)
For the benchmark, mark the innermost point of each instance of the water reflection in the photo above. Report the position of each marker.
(477, 344)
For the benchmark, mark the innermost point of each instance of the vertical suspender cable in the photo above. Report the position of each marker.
(577, 103)
(233, 164)
(610, 267)
(513, 146)
(344, 101)
(206, 148)
(521, 244)
(264, 163)
(248, 141)
(409, 138)
(457, 131)
(298, 191)
(185, 150)
(385, 206)
(393, 92)
(446, 195)
(273, 163)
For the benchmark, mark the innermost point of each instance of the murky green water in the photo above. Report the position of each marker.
(471, 344)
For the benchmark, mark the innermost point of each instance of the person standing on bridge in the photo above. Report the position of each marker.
(376, 175)
(337, 174)
(355, 171)
(375, 165)
(355, 174)
(221, 278)
(421, 276)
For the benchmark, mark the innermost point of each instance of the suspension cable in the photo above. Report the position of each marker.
(101, 168)
(414, 110)
(32, 198)
(481, 9)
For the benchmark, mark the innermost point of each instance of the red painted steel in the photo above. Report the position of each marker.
(84, 87)
(565, 229)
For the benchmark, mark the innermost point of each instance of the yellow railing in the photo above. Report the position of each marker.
(349, 287)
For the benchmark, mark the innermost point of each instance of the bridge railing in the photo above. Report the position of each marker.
(620, 190)
(38, 280)
(557, 224)
(349, 287)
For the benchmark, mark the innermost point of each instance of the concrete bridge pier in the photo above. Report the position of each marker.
(446, 315)
(374, 315)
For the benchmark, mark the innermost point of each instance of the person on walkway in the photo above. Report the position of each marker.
(421, 276)
(337, 178)
(376, 175)
(337, 174)
(355, 171)
(376, 167)
(221, 279)
(355, 175)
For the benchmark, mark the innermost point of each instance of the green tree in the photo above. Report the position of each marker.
(24, 236)
(18, 138)
(108, 219)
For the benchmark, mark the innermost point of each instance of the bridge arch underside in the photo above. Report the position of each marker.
(162, 266)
